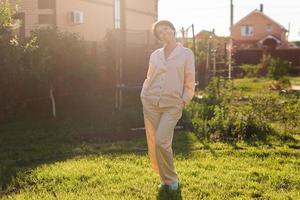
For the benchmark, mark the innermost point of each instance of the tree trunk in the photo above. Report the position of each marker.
(52, 101)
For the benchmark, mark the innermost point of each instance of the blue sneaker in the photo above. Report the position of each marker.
(162, 185)
(174, 186)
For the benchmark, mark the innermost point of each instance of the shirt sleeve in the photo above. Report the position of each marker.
(150, 67)
(189, 78)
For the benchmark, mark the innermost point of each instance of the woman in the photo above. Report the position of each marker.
(169, 86)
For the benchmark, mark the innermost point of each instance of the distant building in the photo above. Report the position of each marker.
(256, 35)
(90, 18)
(257, 30)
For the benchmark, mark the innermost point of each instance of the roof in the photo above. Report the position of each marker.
(270, 37)
(256, 11)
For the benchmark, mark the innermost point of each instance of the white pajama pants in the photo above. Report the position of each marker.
(160, 123)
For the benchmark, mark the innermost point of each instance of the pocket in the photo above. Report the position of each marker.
(177, 112)
(182, 103)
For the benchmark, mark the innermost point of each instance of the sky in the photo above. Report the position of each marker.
(215, 14)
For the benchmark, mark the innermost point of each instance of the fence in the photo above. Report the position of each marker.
(138, 48)
(102, 75)
(131, 50)
(120, 66)
(253, 56)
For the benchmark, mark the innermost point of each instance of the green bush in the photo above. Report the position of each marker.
(245, 124)
(195, 118)
(7, 24)
(284, 110)
(15, 76)
(251, 70)
(219, 116)
(278, 68)
(238, 123)
(227, 123)
(48, 60)
(218, 93)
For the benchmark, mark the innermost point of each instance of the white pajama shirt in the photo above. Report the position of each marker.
(170, 84)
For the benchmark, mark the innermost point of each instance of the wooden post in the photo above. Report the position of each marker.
(120, 54)
(122, 32)
(208, 61)
(117, 68)
(214, 63)
(182, 32)
(52, 98)
(194, 50)
(230, 42)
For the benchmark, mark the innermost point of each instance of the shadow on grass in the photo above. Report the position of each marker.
(270, 140)
(26, 146)
(166, 194)
(183, 142)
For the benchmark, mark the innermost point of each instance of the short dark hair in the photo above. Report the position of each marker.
(159, 23)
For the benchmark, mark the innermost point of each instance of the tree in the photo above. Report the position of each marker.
(61, 64)
(7, 23)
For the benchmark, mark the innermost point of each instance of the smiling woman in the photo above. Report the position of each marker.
(169, 86)
(162, 26)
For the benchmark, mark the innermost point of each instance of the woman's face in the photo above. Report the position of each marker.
(165, 33)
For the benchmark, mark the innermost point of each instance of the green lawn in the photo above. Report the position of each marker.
(71, 160)
(65, 170)
(252, 86)
(295, 80)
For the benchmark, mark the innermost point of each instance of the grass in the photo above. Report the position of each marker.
(295, 80)
(43, 169)
(253, 86)
(71, 160)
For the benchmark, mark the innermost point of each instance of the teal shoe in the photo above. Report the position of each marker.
(174, 186)
(162, 186)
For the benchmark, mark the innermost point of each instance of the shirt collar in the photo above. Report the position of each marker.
(176, 51)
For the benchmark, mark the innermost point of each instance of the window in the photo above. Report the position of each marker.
(117, 14)
(247, 30)
(46, 4)
(269, 28)
(46, 19)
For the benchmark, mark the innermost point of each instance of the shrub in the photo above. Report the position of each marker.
(195, 118)
(198, 116)
(14, 75)
(49, 61)
(251, 70)
(238, 123)
(245, 124)
(218, 116)
(284, 110)
(278, 68)
(218, 93)
(6, 18)
(227, 123)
